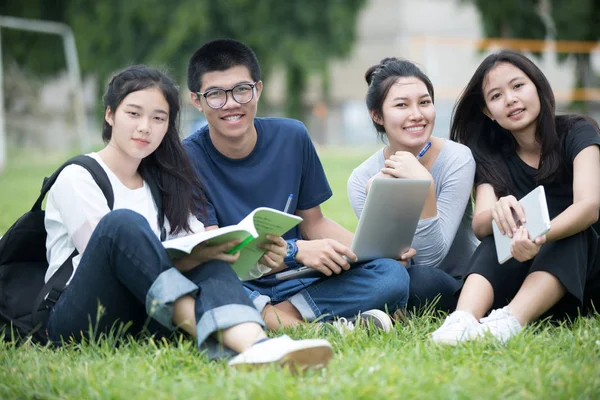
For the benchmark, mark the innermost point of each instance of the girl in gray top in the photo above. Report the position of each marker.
(400, 100)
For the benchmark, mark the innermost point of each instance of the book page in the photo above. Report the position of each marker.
(184, 245)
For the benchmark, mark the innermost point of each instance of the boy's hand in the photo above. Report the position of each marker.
(276, 251)
(325, 255)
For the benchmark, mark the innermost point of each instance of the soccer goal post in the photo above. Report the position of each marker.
(52, 28)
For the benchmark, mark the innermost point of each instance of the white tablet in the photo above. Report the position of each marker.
(389, 219)
(538, 222)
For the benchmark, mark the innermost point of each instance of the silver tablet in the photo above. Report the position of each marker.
(387, 224)
(389, 219)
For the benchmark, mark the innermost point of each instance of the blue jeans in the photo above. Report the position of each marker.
(127, 271)
(381, 284)
(427, 283)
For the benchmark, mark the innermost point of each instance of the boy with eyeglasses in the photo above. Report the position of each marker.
(250, 162)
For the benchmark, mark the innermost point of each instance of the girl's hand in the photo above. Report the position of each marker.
(276, 251)
(203, 253)
(502, 213)
(523, 248)
(407, 255)
(379, 175)
(404, 164)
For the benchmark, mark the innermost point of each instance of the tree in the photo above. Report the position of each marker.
(112, 34)
(301, 36)
(515, 19)
(577, 20)
(43, 54)
(327, 30)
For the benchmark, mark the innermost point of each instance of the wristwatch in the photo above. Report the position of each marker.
(291, 251)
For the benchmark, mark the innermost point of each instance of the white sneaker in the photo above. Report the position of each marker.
(376, 318)
(373, 317)
(343, 325)
(460, 326)
(283, 350)
(502, 324)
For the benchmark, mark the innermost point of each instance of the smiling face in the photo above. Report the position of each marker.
(139, 123)
(408, 114)
(233, 121)
(511, 98)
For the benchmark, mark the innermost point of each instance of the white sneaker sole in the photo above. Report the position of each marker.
(446, 341)
(316, 356)
(384, 319)
(456, 341)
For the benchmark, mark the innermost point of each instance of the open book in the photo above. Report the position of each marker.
(252, 230)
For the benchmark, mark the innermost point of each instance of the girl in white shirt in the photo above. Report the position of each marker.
(123, 273)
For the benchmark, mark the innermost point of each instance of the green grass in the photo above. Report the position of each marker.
(545, 361)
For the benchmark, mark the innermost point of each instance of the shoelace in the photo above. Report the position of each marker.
(343, 322)
(462, 321)
(459, 320)
(494, 316)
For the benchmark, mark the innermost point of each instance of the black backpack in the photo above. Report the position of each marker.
(25, 300)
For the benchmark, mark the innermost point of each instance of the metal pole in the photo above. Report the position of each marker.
(76, 88)
(65, 31)
(2, 124)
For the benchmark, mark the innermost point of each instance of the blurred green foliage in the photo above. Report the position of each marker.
(540, 19)
(42, 53)
(577, 20)
(300, 36)
(515, 19)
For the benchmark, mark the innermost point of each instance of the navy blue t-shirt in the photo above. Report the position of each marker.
(283, 162)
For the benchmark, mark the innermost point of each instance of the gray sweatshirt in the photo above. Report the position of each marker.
(445, 241)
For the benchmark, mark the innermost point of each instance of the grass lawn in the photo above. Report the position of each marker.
(544, 362)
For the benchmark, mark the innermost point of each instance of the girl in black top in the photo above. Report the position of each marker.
(506, 116)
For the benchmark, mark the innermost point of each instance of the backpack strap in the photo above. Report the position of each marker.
(92, 166)
(52, 290)
(57, 283)
(103, 182)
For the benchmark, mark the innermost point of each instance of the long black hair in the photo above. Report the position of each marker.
(491, 144)
(168, 166)
(381, 78)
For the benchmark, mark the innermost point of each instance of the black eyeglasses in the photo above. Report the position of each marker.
(242, 93)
